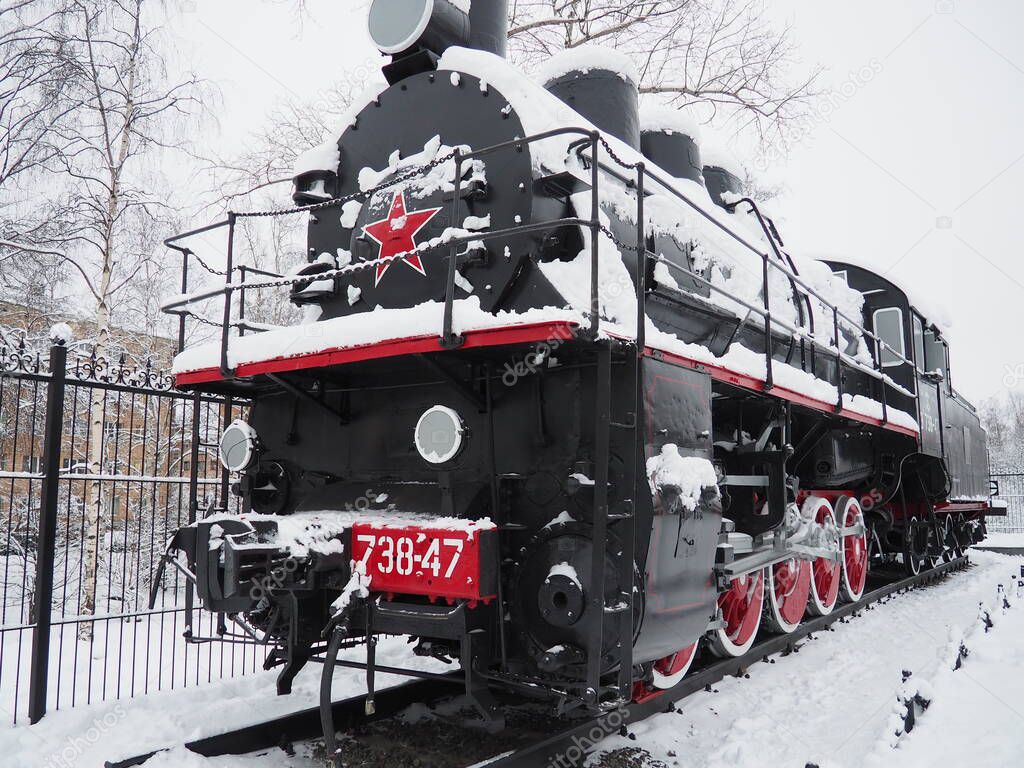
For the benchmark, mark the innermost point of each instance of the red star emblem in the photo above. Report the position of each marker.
(397, 234)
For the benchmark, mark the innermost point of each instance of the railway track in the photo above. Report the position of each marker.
(530, 742)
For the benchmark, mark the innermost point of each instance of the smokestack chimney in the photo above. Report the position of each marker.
(488, 25)
(722, 173)
(671, 139)
(600, 84)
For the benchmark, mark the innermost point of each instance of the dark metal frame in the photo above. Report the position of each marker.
(49, 403)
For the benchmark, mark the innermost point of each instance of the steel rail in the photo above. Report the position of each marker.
(305, 724)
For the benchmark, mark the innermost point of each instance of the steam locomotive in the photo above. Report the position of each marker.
(562, 407)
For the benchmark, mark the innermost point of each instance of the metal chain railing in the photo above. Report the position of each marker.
(408, 175)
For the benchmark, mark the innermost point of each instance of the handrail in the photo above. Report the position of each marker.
(854, 325)
(784, 325)
(184, 300)
(589, 139)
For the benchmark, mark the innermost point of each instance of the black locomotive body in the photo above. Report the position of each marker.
(475, 443)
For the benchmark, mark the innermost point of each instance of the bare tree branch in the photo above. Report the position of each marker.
(723, 54)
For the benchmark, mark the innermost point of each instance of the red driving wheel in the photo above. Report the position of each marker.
(671, 669)
(788, 589)
(825, 573)
(855, 550)
(741, 606)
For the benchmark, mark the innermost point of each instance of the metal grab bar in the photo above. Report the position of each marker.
(853, 324)
(185, 300)
(780, 323)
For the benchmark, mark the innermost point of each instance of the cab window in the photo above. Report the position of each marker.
(919, 343)
(888, 324)
(934, 353)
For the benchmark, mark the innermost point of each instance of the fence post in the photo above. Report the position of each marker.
(39, 663)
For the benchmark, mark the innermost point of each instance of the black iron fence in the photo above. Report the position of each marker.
(1011, 490)
(96, 459)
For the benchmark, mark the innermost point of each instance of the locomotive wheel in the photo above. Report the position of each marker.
(854, 551)
(742, 606)
(930, 534)
(949, 543)
(962, 536)
(788, 588)
(671, 669)
(825, 574)
(913, 552)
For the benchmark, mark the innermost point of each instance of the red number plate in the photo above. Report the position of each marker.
(427, 561)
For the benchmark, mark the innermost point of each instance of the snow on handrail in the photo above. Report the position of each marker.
(854, 324)
(453, 237)
(787, 326)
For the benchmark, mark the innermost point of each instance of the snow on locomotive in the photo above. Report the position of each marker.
(562, 408)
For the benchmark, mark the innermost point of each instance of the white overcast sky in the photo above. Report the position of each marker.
(916, 169)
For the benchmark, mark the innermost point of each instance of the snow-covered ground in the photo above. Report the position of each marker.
(84, 737)
(125, 657)
(1003, 539)
(830, 705)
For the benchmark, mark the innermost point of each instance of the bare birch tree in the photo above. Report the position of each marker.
(123, 109)
(124, 122)
(36, 67)
(1003, 419)
(36, 103)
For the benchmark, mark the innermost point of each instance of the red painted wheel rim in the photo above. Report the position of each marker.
(678, 661)
(741, 607)
(855, 553)
(792, 586)
(826, 572)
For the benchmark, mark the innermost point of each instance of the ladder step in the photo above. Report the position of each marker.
(625, 511)
(619, 606)
(631, 424)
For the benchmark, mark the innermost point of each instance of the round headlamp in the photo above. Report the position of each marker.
(439, 434)
(238, 446)
(397, 25)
